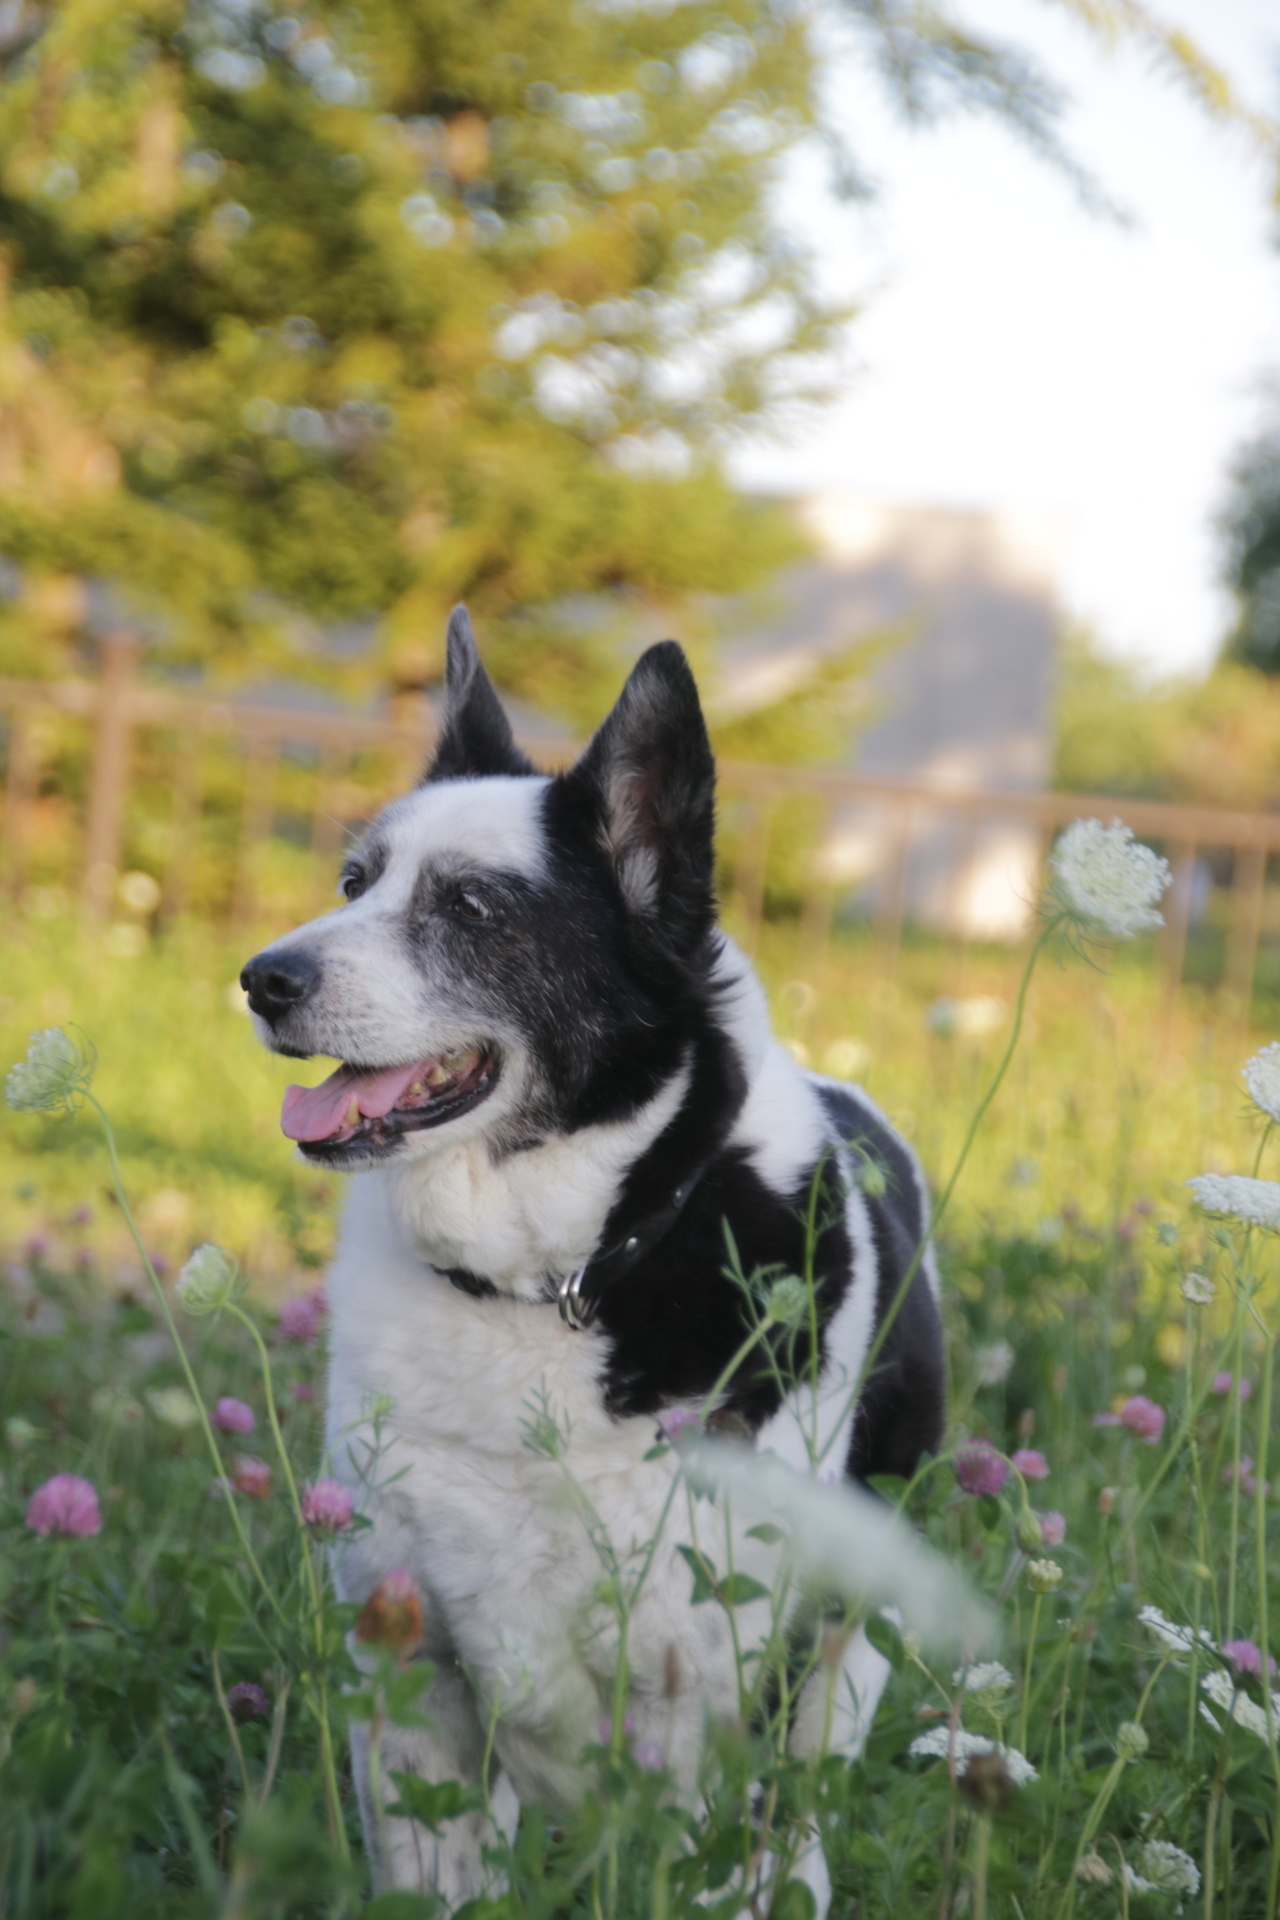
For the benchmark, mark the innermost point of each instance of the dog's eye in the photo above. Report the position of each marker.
(469, 906)
(353, 883)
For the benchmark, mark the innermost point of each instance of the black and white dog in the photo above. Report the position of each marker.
(560, 1088)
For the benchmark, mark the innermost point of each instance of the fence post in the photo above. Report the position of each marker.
(20, 791)
(1178, 920)
(109, 784)
(1247, 891)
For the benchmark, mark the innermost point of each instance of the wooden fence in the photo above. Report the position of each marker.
(353, 763)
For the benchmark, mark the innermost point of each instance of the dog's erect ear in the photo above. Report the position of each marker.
(476, 737)
(651, 776)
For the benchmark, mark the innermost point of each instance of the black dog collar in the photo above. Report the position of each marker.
(579, 1294)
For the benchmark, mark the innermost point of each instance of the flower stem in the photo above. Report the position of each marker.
(885, 1328)
(321, 1706)
(192, 1383)
(1026, 1677)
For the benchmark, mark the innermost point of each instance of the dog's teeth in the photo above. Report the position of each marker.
(414, 1087)
(439, 1075)
(351, 1118)
(459, 1058)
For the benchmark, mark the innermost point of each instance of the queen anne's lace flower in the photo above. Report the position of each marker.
(1262, 1077)
(1198, 1289)
(1256, 1202)
(1165, 1869)
(939, 1742)
(987, 1676)
(53, 1078)
(1177, 1639)
(1246, 1713)
(1108, 881)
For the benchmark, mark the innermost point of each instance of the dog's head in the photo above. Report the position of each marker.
(518, 954)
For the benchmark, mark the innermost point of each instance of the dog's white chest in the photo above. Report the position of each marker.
(503, 1537)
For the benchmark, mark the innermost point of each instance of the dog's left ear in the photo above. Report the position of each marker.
(651, 776)
(476, 737)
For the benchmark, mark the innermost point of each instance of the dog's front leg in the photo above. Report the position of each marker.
(403, 1852)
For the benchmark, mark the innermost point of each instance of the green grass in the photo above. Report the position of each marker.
(121, 1790)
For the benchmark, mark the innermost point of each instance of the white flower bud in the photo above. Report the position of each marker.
(788, 1300)
(1044, 1575)
(1131, 1740)
(54, 1076)
(209, 1281)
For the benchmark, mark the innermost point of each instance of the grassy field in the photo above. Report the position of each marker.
(1112, 1100)
(129, 1786)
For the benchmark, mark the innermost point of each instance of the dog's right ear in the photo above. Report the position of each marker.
(649, 778)
(476, 737)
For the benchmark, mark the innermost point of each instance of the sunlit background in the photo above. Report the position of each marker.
(917, 375)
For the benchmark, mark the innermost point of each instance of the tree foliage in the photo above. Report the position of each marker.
(1213, 741)
(314, 319)
(1252, 532)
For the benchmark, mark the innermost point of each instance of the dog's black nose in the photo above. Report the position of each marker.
(277, 983)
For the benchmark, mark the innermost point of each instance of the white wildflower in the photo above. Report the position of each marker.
(1262, 1077)
(1177, 1639)
(1092, 1868)
(1043, 1575)
(209, 1281)
(1256, 1202)
(940, 1742)
(1107, 880)
(1198, 1289)
(173, 1405)
(1246, 1713)
(993, 1364)
(53, 1078)
(987, 1676)
(1167, 1869)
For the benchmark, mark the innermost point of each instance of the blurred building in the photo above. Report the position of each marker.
(962, 696)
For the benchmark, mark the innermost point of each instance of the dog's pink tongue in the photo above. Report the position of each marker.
(313, 1113)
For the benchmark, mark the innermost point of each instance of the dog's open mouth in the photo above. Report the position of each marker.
(374, 1106)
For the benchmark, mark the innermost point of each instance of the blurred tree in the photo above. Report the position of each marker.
(1213, 740)
(316, 318)
(1251, 526)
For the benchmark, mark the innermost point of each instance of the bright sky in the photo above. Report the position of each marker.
(1016, 351)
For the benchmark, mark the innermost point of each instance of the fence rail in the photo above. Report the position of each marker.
(355, 762)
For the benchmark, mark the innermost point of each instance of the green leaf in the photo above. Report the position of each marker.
(795, 1902)
(404, 1906)
(704, 1575)
(433, 1801)
(403, 1692)
(767, 1532)
(989, 1512)
(886, 1639)
(724, 1854)
(737, 1588)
